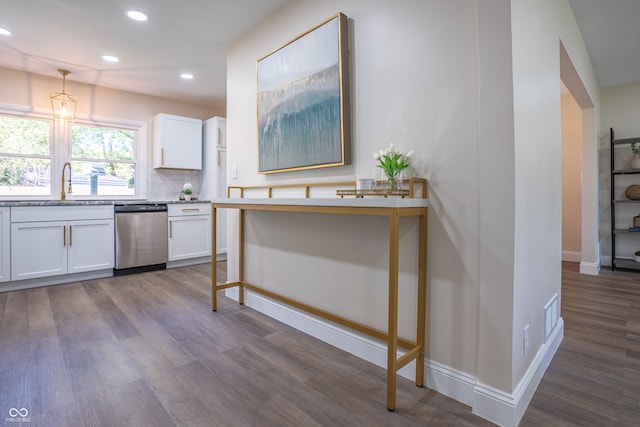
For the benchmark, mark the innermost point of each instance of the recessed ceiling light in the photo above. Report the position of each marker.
(5, 32)
(110, 58)
(136, 15)
(186, 76)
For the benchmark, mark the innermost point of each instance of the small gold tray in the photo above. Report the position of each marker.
(376, 192)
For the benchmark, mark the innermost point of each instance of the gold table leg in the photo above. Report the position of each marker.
(214, 267)
(241, 255)
(392, 332)
(422, 296)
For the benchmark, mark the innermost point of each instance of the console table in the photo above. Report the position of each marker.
(393, 209)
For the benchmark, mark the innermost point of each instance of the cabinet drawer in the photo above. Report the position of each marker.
(189, 209)
(60, 213)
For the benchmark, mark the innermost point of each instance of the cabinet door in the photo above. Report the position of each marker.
(222, 132)
(38, 249)
(189, 237)
(177, 142)
(221, 214)
(5, 245)
(91, 245)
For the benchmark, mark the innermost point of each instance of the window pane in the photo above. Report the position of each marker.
(24, 136)
(23, 176)
(103, 161)
(102, 179)
(103, 143)
(25, 163)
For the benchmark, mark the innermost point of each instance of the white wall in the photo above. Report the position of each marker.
(473, 88)
(31, 92)
(410, 88)
(538, 30)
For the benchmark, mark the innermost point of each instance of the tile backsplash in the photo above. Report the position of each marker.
(166, 184)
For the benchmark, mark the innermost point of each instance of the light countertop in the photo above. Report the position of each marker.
(72, 202)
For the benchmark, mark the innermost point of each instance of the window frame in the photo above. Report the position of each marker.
(60, 149)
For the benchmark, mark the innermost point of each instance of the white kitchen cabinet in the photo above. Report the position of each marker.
(221, 214)
(214, 176)
(51, 241)
(5, 244)
(189, 231)
(90, 245)
(177, 142)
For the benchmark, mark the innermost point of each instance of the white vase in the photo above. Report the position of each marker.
(187, 197)
(635, 161)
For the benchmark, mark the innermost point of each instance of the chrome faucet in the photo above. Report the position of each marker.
(63, 196)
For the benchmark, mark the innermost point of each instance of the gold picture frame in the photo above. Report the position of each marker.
(303, 101)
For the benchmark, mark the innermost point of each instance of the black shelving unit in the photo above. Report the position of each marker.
(618, 262)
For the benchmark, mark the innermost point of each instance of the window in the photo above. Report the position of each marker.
(105, 157)
(25, 157)
(103, 161)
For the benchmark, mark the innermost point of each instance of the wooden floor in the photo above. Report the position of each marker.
(594, 378)
(146, 350)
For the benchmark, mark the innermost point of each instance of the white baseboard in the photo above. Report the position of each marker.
(54, 280)
(345, 339)
(507, 409)
(189, 261)
(495, 405)
(571, 256)
(591, 268)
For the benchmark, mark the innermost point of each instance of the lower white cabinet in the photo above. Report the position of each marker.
(189, 231)
(50, 241)
(5, 244)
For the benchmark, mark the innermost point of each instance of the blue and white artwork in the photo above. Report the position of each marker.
(300, 91)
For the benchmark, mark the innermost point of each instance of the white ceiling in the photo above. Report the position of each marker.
(189, 36)
(611, 32)
(193, 35)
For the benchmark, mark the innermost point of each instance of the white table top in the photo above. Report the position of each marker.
(373, 202)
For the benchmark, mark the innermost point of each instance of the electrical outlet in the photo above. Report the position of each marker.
(234, 172)
(525, 340)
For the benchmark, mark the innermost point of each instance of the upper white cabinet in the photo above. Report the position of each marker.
(5, 244)
(214, 177)
(50, 241)
(177, 142)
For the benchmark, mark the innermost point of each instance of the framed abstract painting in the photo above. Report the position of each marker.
(303, 101)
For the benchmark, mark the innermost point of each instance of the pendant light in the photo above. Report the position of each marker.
(63, 105)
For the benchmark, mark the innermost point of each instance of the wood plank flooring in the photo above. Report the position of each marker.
(594, 378)
(146, 350)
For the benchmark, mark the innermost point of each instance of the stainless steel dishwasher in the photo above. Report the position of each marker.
(141, 238)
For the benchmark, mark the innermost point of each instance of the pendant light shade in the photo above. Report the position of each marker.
(63, 105)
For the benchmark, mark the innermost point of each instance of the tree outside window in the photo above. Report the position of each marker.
(103, 158)
(103, 161)
(25, 157)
